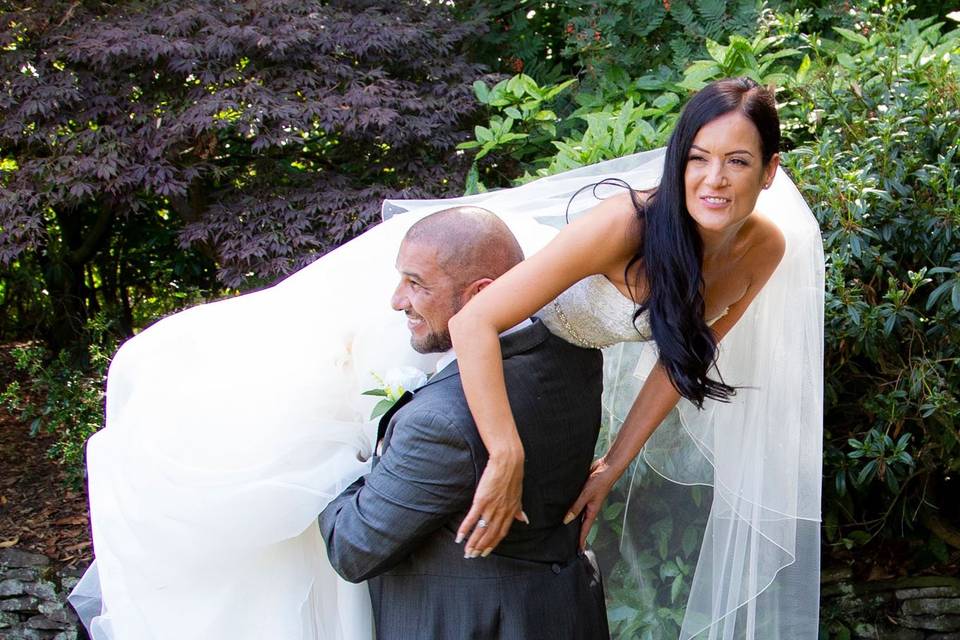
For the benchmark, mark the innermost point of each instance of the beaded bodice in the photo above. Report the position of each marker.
(593, 313)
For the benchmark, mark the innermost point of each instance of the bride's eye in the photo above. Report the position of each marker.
(692, 158)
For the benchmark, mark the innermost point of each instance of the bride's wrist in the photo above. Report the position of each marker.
(508, 453)
(612, 464)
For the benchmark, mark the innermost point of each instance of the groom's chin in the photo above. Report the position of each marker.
(431, 343)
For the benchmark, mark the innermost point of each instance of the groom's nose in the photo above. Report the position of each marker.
(398, 301)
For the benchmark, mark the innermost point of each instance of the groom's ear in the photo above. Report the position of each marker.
(475, 287)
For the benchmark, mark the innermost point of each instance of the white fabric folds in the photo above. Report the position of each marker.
(230, 426)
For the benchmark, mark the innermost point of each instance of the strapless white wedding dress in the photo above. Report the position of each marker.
(230, 426)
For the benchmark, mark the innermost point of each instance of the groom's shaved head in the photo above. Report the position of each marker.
(444, 260)
(471, 243)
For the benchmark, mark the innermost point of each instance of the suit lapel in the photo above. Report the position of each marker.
(406, 397)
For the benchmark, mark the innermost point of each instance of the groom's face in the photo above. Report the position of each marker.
(427, 295)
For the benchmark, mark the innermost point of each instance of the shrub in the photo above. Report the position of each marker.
(881, 172)
(595, 39)
(61, 397)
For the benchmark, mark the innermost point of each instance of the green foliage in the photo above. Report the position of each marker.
(757, 59)
(647, 539)
(62, 398)
(592, 38)
(616, 117)
(522, 124)
(879, 167)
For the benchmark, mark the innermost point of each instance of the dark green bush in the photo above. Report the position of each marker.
(881, 172)
(61, 396)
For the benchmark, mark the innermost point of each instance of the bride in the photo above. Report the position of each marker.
(232, 424)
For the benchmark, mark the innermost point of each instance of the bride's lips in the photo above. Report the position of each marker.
(714, 202)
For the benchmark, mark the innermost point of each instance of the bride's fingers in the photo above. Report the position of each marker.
(575, 509)
(485, 539)
(468, 523)
(589, 516)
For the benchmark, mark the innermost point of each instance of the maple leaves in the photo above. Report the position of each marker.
(271, 130)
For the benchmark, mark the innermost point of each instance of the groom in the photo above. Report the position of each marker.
(396, 527)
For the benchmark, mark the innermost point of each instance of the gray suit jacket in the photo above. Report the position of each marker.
(396, 526)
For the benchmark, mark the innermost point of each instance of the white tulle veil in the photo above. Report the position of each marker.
(230, 426)
(757, 572)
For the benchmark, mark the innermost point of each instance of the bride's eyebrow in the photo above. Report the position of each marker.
(729, 153)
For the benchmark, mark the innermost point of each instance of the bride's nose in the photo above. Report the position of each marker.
(716, 174)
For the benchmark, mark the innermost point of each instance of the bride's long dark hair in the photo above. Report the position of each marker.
(671, 251)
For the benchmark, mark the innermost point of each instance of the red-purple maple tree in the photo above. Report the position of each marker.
(266, 132)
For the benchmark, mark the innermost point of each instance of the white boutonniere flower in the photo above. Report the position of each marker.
(392, 385)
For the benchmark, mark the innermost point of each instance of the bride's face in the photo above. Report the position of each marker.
(427, 295)
(725, 172)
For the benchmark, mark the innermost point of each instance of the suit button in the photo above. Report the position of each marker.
(555, 568)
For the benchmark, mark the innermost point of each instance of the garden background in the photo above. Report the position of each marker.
(154, 155)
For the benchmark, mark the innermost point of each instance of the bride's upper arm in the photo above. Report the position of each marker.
(595, 243)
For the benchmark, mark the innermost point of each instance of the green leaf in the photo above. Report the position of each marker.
(482, 134)
(515, 86)
(700, 71)
(846, 61)
(473, 184)
(375, 392)
(666, 101)
(889, 324)
(892, 483)
(803, 70)
(676, 588)
(530, 86)
(381, 408)
(867, 472)
(939, 291)
(688, 543)
(555, 91)
(852, 36)
(716, 50)
(613, 510)
(481, 90)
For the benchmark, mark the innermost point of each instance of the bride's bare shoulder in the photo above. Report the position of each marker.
(767, 245)
(617, 213)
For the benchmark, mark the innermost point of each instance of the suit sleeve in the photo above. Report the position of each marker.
(424, 477)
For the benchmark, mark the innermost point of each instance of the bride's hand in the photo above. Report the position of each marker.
(496, 502)
(599, 483)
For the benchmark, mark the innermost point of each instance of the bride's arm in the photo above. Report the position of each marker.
(600, 242)
(658, 396)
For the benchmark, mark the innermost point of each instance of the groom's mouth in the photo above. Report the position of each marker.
(413, 322)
